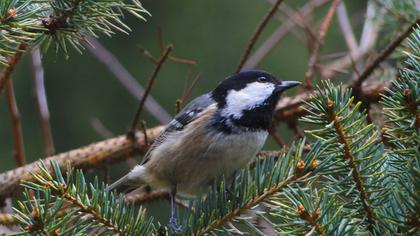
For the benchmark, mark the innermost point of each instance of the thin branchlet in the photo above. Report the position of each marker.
(364, 198)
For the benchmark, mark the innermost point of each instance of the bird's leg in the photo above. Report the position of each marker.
(172, 220)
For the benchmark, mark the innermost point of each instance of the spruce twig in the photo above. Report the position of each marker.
(151, 81)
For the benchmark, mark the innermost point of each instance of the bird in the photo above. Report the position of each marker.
(214, 135)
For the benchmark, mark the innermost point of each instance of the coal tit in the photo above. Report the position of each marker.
(215, 135)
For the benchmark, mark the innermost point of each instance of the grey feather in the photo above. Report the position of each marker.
(183, 118)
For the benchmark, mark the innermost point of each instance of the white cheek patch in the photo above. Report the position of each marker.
(253, 95)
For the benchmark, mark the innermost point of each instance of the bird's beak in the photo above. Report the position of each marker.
(286, 85)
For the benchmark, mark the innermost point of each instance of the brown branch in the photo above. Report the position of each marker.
(367, 42)
(384, 54)
(313, 59)
(268, 45)
(42, 102)
(311, 219)
(16, 124)
(127, 80)
(91, 156)
(348, 155)
(257, 33)
(131, 132)
(11, 64)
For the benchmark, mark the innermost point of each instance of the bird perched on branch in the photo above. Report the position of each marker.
(215, 135)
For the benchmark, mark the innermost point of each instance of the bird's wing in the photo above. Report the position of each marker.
(183, 118)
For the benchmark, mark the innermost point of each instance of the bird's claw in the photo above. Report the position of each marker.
(174, 226)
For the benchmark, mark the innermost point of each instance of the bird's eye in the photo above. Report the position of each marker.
(262, 79)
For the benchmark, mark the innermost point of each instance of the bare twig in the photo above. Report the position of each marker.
(144, 130)
(384, 54)
(11, 64)
(100, 128)
(257, 33)
(16, 124)
(346, 29)
(268, 45)
(313, 59)
(371, 26)
(42, 102)
(131, 132)
(189, 89)
(148, 55)
(127, 80)
(170, 57)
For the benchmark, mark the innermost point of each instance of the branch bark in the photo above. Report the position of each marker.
(91, 156)
(42, 102)
(7, 72)
(16, 124)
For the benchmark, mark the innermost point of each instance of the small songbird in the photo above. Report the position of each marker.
(215, 135)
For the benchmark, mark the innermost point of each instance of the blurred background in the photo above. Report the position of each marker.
(80, 89)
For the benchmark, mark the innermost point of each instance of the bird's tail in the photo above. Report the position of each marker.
(130, 181)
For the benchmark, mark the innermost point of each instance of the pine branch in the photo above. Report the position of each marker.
(354, 154)
(27, 23)
(402, 131)
(224, 205)
(90, 207)
(344, 140)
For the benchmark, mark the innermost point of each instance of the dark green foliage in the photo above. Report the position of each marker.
(401, 106)
(32, 22)
(73, 207)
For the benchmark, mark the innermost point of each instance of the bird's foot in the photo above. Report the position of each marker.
(174, 226)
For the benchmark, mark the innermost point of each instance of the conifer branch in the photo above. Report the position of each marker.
(364, 198)
(311, 219)
(251, 203)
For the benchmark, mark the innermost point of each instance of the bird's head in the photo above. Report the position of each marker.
(249, 91)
